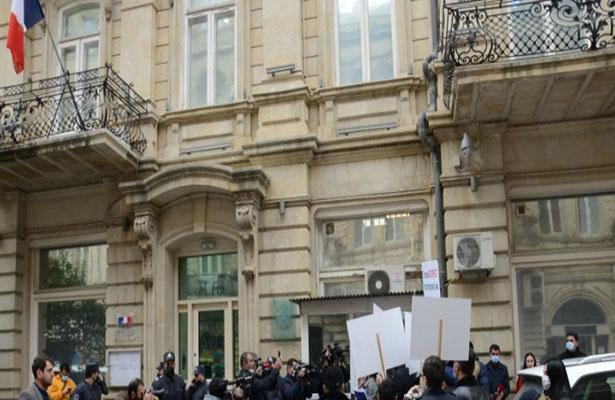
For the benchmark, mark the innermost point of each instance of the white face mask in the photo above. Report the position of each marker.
(546, 382)
(65, 378)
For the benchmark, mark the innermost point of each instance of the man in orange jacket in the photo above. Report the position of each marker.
(62, 386)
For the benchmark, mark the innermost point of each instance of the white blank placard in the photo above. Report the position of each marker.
(426, 316)
(124, 366)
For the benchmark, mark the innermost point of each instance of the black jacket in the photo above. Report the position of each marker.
(293, 389)
(334, 396)
(174, 387)
(256, 391)
(197, 391)
(469, 389)
(571, 354)
(498, 375)
(436, 394)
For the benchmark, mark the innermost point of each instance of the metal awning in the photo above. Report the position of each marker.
(354, 303)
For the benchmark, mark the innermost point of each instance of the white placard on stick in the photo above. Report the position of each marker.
(124, 366)
(376, 309)
(379, 340)
(440, 327)
(431, 278)
(412, 365)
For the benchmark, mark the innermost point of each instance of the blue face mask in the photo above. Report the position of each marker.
(569, 346)
(495, 359)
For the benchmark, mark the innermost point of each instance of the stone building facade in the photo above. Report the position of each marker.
(289, 173)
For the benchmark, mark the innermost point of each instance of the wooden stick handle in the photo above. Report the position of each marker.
(440, 339)
(384, 370)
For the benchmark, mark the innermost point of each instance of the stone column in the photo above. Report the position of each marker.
(246, 215)
(13, 314)
(146, 231)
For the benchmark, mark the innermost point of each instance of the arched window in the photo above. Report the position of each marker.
(578, 312)
(80, 37)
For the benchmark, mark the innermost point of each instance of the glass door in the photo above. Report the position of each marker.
(215, 338)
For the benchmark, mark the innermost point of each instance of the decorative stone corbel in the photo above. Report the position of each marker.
(108, 9)
(145, 229)
(246, 217)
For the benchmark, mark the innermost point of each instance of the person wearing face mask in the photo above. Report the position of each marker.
(62, 385)
(172, 386)
(499, 385)
(555, 380)
(572, 347)
(467, 387)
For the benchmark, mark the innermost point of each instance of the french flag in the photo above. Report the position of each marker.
(24, 15)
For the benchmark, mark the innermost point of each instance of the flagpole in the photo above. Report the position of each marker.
(70, 89)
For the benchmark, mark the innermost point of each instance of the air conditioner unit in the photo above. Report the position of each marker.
(383, 280)
(533, 290)
(473, 252)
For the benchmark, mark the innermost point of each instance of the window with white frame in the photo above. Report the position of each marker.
(210, 52)
(80, 37)
(69, 305)
(351, 244)
(364, 40)
(589, 215)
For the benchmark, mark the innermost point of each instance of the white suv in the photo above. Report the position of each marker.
(591, 378)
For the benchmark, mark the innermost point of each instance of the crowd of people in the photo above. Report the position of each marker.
(468, 379)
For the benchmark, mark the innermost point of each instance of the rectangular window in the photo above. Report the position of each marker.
(364, 40)
(555, 300)
(73, 266)
(183, 345)
(73, 331)
(563, 223)
(211, 67)
(378, 240)
(208, 276)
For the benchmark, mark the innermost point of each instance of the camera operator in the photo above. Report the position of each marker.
(256, 390)
(295, 385)
(198, 388)
(93, 386)
(171, 386)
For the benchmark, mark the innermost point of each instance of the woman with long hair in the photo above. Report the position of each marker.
(529, 361)
(555, 381)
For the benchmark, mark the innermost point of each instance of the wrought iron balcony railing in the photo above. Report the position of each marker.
(477, 32)
(81, 102)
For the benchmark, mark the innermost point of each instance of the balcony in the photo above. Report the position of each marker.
(75, 129)
(529, 61)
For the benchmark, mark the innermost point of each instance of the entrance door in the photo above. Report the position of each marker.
(215, 338)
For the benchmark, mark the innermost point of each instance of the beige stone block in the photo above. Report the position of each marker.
(285, 283)
(125, 272)
(300, 260)
(420, 29)
(311, 27)
(10, 340)
(483, 339)
(311, 46)
(489, 316)
(114, 312)
(489, 291)
(282, 49)
(175, 218)
(138, 53)
(257, 74)
(36, 47)
(256, 4)
(311, 66)
(420, 9)
(69, 208)
(124, 294)
(256, 37)
(10, 283)
(287, 238)
(11, 359)
(287, 349)
(161, 91)
(482, 219)
(162, 72)
(11, 321)
(10, 380)
(10, 264)
(11, 247)
(116, 46)
(256, 56)
(292, 216)
(268, 327)
(265, 305)
(123, 336)
(457, 196)
(203, 130)
(115, 60)
(369, 107)
(162, 36)
(163, 18)
(162, 54)
(11, 302)
(256, 18)
(36, 63)
(313, 82)
(422, 48)
(281, 187)
(310, 9)
(116, 29)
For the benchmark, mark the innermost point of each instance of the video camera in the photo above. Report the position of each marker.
(334, 354)
(309, 369)
(243, 382)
